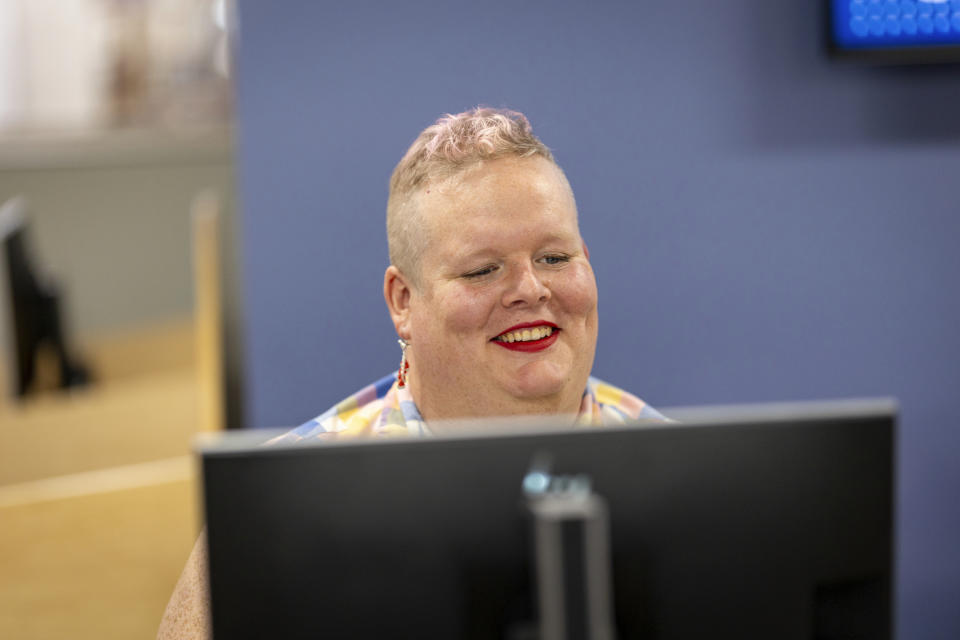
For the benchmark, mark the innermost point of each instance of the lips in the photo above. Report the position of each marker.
(528, 336)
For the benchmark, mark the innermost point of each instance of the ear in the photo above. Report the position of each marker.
(397, 291)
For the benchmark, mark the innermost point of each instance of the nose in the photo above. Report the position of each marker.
(526, 287)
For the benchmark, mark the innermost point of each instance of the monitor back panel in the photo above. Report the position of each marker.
(756, 530)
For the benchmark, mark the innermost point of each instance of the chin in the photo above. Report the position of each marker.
(541, 385)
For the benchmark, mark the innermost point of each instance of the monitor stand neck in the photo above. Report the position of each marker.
(572, 549)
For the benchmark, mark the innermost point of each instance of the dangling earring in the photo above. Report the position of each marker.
(404, 364)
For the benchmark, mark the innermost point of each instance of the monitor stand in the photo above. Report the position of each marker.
(571, 534)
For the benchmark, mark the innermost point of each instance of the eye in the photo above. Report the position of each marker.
(483, 271)
(555, 258)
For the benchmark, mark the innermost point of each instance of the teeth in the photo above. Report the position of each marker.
(526, 335)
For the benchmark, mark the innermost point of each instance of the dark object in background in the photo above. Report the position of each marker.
(35, 308)
(894, 32)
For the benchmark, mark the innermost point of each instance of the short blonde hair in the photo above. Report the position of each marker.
(451, 145)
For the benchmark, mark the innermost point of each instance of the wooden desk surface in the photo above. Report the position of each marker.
(116, 423)
(101, 565)
(98, 502)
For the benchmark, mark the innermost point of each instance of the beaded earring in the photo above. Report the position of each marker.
(404, 364)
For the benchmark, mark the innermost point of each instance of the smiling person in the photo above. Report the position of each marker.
(490, 289)
(492, 295)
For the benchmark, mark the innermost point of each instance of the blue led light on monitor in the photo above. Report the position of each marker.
(895, 24)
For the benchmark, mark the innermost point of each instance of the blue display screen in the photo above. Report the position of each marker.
(885, 24)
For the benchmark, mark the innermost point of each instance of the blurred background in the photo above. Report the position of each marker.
(116, 265)
(766, 221)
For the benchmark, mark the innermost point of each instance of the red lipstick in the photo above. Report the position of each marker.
(529, 346)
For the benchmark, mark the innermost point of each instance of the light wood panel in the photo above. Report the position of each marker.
(144, 350)
(100, 565)
(206, 211)
(98, 505)
(124, 422)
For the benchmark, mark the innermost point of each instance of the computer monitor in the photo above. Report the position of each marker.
(769, 521)
(895, 31)
(30, 309)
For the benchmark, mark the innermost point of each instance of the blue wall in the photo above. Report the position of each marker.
(765, 224)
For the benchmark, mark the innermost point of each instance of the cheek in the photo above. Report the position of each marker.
(578, 294)
(466, 310)
(451, 312)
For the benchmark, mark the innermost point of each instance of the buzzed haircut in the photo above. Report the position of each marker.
(451, 145)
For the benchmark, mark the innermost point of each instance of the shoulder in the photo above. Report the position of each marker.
(358, 414)
(618, 405)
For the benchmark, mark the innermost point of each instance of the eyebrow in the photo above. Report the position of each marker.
(553, 237)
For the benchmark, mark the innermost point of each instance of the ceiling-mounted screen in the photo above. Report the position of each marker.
(896, 30)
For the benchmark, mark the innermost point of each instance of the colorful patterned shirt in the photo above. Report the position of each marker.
(384, 409)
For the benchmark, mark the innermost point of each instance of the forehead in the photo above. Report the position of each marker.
(506, 196)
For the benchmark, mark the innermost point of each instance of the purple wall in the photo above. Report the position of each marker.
(765, 224)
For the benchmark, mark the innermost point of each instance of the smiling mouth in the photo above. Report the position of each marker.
(528, 339)
(529, 334)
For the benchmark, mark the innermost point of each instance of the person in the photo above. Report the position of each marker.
(491, 292)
